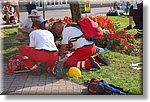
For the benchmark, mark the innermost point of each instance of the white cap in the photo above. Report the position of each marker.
(34, 12)
(14, 2)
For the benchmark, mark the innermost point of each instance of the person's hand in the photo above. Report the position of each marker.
(57, 42)
(70, 45)
(62, 56)
(31, 30)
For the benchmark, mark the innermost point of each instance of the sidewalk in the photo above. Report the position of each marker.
(8, 25)
(44, 84)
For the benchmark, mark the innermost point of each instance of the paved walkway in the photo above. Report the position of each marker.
(8, 25)
(45, 84)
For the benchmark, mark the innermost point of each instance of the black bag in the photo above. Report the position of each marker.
(101, 87)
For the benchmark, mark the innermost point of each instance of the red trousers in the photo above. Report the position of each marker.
(48, 58)
(80, 57)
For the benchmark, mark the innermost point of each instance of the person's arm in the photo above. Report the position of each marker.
(62, 50)
(23, 30)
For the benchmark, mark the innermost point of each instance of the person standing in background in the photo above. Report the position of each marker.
(127, 9)
(136, 15)
(30, 5)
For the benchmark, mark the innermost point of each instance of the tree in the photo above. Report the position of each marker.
(75, 11)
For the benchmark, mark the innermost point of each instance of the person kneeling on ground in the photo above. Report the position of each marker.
(83, 56)
(41, 49)
(8, 12)
(25, 27)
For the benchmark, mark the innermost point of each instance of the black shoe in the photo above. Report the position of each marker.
(94, 63)
(103, 60)
(41, 66)
(140, 31)
(128, 27)
(139, 35)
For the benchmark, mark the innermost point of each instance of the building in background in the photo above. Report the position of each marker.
(54, 4)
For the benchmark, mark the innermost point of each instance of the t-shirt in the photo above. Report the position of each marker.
(27, 22)
(71, 32)
(42, 39)
(7, 9)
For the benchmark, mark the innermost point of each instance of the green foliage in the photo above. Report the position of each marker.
(8, 38)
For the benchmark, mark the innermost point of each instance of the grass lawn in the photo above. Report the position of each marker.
(118, 73)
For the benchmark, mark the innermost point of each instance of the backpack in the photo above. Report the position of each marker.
(16, 65)
(91, 30)
(102, 87)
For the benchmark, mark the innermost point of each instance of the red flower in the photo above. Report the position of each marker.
(131, 36)
(118, 40)
(51, 20)
(137, 39)
(118, 50)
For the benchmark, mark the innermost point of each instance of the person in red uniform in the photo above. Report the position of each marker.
(83, 56)
(41, 49)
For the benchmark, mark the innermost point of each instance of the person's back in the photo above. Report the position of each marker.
(69, 33)
(42, 39)
(25, 23)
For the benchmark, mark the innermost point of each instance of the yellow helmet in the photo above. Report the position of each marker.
(74, 72)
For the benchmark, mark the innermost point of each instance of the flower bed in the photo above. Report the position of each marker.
(112, 38)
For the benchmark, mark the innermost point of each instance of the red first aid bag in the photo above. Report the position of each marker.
(90, 29)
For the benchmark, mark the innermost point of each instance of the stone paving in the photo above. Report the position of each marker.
(45, 84)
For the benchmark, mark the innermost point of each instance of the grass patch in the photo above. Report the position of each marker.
(123, 22)
(8, 38)
(118, 73)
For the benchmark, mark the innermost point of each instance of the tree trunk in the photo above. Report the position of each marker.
(75, 11)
